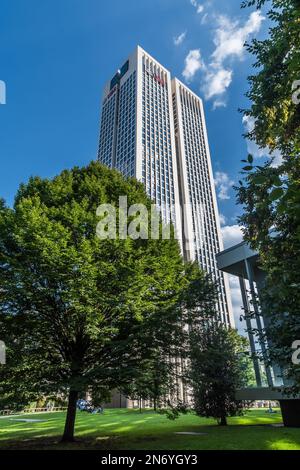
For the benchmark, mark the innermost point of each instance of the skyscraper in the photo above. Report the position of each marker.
(153, 128)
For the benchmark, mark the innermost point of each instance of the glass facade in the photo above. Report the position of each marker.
(199, 189)
(108, 129)
(126, 127)
(157, 164)
(154, 128)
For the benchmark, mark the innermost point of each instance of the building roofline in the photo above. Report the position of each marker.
(141, 49)
(175, 79)
(233, 248)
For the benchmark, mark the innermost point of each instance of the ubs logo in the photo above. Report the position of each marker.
(2, 92)
(155, 76)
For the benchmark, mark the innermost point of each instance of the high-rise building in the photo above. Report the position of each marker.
(197, 191)
(153, 128)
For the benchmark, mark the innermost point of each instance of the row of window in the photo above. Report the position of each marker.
(157, 165)
(107, 130)
(125, 151)
(199, 185)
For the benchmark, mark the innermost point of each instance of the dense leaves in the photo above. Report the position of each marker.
(270, 192)
(275, 115)
(219, 365)
(164, 380)
(77, 311)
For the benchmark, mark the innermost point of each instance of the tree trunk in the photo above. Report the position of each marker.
(68, 435)
(223, 421)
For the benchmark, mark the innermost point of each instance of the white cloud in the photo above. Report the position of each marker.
(222, 219)
(229, 40)
(179, 39)
(198, 6)
(192, 64)
(231, 234)
(237, 303)
(217, 82)
(230, 37)
(2, 92)
(223, 184)
(204, 18)
(219, 103)
(254, 149)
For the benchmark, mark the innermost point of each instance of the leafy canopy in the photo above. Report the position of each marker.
(76, 311)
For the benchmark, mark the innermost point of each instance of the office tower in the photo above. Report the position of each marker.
(137, 132)
(197, 190)
(153, 128)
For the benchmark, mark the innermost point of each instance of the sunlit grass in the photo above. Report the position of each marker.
(284, 444)
(130, 429)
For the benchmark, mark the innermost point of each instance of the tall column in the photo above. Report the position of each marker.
(250, 334)
(258, 322)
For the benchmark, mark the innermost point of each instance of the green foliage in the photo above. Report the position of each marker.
(173, 412)
(269, 193)
(219, 365)
(271, 224)
(276, 117)
(163, 374)
(77, 311)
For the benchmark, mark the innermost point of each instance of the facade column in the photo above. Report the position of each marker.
(250, 334)
(258, 322)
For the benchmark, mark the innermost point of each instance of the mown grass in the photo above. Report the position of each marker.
(129, 429)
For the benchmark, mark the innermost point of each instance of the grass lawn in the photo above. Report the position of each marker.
(129, 429)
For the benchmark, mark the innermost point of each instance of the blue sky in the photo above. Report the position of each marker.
(56, 55)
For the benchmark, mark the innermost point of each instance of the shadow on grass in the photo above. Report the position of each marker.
(129, 429)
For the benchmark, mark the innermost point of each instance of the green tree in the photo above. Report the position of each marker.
(155, 382)
(78, 312)
(271, 226)
(163, 374)
(270, 193)
(219, 365)
(275, 114)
